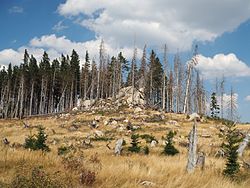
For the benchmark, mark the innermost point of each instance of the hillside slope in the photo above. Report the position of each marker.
(87, 141)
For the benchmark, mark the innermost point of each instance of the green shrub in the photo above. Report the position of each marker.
(63, 150)
(103, 138)
(169, 148)
(87, 177)
(230, 146)
(154, 118)
(37, 178)
(38, 141)
(30, 142)
(2, 184)
(135, 144)
(148, 138)
(146, 150)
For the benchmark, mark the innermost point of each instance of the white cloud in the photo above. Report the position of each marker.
(16, 9)
(59, 26)
(9, 55)
(55, 46)
(247, 98)
(175, 22)
(222, 65)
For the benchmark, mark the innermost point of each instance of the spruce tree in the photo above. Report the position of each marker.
(230, 146)
(169, 148)
(214, 107)
(38, 141)
(135, 144)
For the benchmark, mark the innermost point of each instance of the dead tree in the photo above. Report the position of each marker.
(190, 66)
(222, 97)
(133, 73)
(99, 75)
(118, 146)
(243, 145)
(232, 106)
(170, 91)
(164, 78)
(192, 148)
(201, 160)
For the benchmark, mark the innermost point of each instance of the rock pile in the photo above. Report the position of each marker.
(124, 97)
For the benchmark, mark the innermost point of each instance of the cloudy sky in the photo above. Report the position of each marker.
(220, 28)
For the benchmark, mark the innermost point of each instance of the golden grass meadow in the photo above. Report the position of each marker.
(96, 165)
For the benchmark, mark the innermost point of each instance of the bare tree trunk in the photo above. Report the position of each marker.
(187, 89)
(60, 105)
(222, 97)
(52, 107)
(85, 85)
(98, 85)
(71, 95)
(41, 97)
(133, 73)
(164, 79)
(192, 148)
(31, 98)
(114, 80)
(17, 102)
(243, 145)
(6, 100)
(103, 79)
(191, 64)
(22, 98)
(170, 92)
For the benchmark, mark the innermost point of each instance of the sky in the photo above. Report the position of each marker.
(220, 28)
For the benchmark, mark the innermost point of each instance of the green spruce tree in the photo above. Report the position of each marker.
(230, 146)
(169, 148)
(135, 144)
(214, 107)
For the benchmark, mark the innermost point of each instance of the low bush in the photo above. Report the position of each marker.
(37, 178)
(38, 141)
(169, 148)
(135, 144)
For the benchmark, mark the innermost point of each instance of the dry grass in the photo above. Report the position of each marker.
(128, 170)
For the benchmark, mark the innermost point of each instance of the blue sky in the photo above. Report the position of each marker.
(58, 26)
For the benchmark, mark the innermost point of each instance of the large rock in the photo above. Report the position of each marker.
(194, 116)
(114, 123)
(74, 109)
(125, 95)
(6, 141)
(153, 143)
(137, 110)
(87, 103)
(147, 184)
(94, 124)
(98, 133)
(173, 122)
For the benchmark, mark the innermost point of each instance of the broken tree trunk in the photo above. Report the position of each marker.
(243, 145)
(187, 89)
(118, 146)
(164, 79)
(192, 148)
(201, 160)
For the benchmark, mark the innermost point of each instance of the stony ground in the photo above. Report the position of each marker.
(87, 153)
